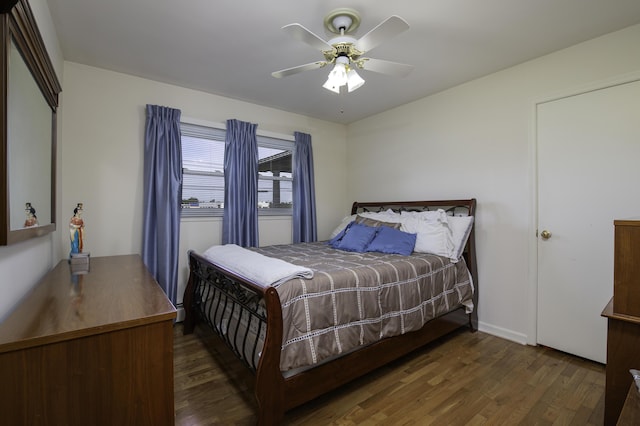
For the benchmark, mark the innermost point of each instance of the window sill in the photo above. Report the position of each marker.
(219, 213)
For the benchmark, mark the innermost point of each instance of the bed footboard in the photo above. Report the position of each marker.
(230, 307)
(248, 319)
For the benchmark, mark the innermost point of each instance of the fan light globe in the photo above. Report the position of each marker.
(337, 78)
(354, 81)
(330, 86)
(339, 75)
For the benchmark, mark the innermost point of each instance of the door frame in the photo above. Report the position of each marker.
(532, 317)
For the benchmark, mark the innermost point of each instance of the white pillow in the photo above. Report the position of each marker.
(347, 220)
(429, 215)
(460, 229)
(385, 216)
(432, 237)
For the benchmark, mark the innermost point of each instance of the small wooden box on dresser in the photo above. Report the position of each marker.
(89, 349)
(623, 322)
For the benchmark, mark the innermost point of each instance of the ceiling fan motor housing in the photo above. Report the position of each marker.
(342, 46)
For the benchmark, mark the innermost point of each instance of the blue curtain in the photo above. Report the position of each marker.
(240, 220)
(162, 192)
(304, 193)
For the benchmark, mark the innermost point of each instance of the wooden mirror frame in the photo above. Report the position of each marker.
(19, 26)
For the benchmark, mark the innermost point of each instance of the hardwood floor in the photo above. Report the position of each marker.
(463, 379)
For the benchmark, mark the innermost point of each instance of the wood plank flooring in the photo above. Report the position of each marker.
(463, 379)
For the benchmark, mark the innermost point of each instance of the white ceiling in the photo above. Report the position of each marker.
(230, 47)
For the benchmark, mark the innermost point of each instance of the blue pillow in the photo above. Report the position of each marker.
(394, 241)
(356, 238)
(338, 237)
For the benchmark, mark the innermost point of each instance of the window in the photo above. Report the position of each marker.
(203, 172)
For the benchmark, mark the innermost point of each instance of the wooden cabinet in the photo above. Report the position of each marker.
(626, 268)
(623, 341)
(623, 318)
(90, 349)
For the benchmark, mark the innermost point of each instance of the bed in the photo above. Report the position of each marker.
(298, 350)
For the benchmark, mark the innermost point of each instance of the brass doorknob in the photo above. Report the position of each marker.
(545, 234)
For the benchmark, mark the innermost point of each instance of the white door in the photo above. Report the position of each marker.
(588, 148)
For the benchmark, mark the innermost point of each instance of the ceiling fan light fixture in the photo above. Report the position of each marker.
(342, 75)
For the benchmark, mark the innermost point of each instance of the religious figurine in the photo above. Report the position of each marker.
(32, 219)
(76, 230)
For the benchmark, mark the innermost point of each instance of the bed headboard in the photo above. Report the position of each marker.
(452, 207)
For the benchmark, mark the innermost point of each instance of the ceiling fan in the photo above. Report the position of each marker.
(345, 51)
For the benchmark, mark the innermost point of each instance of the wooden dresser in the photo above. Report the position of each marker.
(623, 318)
(89, 349)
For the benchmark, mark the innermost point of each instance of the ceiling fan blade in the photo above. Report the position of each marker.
(386, 29)
(299, 68)
(386, 67)
(299, 32)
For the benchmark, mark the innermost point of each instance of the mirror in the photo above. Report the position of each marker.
(28, 147)
(28, 112)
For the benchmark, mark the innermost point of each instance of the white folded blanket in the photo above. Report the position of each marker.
(255, 267)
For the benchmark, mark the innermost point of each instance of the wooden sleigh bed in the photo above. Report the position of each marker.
(249, 318)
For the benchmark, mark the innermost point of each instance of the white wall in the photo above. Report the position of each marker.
(23, 264)
(474, 141)
(102, 159)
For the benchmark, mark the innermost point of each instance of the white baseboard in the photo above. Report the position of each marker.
(180, 316)
(503, 333)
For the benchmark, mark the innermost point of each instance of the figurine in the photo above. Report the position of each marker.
(76, 229)
(32, 219)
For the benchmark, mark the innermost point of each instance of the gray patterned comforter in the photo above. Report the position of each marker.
(355, 299)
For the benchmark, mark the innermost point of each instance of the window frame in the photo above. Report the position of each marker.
(217, 132)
